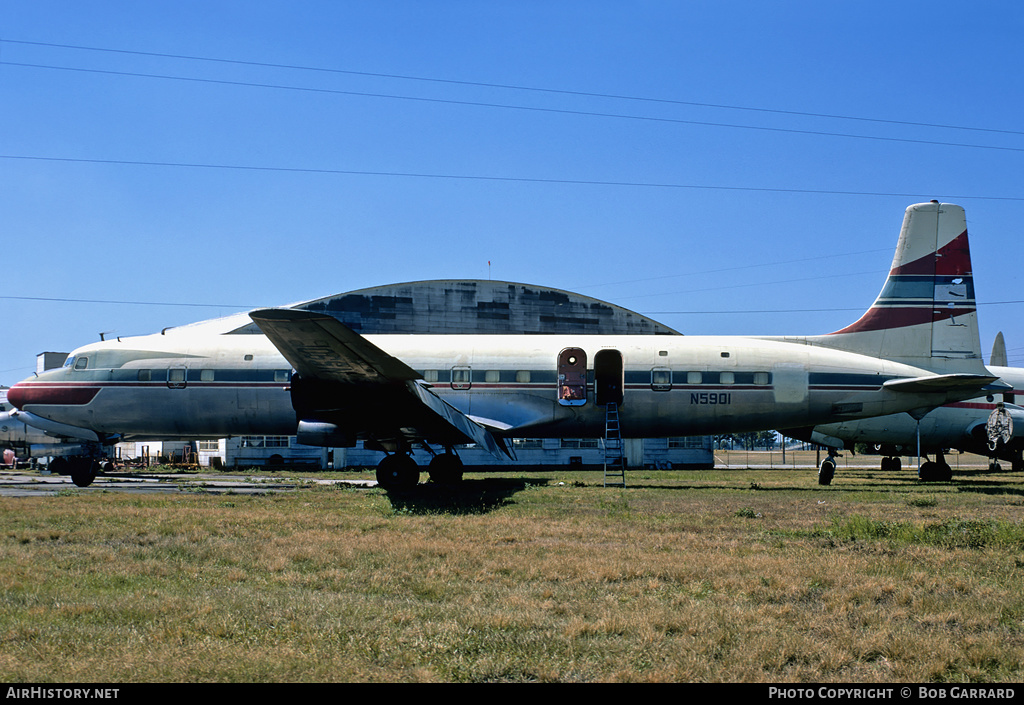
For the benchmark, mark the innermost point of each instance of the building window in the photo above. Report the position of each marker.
(209, 446)
(688, 442)
(578, 443)
(263, 442)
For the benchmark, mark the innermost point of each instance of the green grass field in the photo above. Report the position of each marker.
(735, 575)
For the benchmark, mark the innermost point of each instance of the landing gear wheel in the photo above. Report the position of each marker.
(926, 473)
(83, 471)
(398, 472)
(945, 472)
(827, 471)
(445, 469)
(59, 466)
(891, 464)
(935, 472)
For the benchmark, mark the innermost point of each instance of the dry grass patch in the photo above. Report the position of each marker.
(742, 577)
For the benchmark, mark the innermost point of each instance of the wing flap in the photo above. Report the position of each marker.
(473, 431)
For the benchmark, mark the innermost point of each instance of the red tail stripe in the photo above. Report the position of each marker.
(952, 259)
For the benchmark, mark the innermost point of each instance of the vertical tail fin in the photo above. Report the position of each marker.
(998, 358)
(926, 313)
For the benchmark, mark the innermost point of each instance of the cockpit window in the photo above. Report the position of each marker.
(70, 361)
(81, 363)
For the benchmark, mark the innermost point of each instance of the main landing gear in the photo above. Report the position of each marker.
(83, 470)
(399, 471)
(891, 464)
(937, 470)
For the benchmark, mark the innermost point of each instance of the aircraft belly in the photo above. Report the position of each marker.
(196, 410)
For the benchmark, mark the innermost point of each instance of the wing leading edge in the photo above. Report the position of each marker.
(344, 378)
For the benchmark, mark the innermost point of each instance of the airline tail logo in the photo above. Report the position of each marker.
(936, 287)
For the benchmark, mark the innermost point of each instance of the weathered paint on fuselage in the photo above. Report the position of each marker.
(192, 384)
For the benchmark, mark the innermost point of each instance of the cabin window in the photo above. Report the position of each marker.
(282, 375)
(81, 363)
(248, 358)
(523, 376)
(462, 378)
(694, 378)
(761, 378)
(727, 378)
(145, 375)
(430, 375)
(206, 375)
(492, 376)
(661, 379)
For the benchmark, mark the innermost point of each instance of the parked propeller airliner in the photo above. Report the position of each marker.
(991, 425)
(305, 373)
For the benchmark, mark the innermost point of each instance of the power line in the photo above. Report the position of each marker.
(477, 177)
(122, 303)
(536, 89)
(506, 106)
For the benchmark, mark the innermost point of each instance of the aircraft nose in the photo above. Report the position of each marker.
(33, 392)
(16, 395)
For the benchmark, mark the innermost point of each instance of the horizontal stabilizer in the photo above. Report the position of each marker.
(946, 383)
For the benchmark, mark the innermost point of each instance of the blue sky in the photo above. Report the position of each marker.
(675, 158)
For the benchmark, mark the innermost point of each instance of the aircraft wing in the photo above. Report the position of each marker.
(321, 347)
(349, 380)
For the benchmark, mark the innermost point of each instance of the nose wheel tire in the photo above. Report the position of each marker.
(827, 471)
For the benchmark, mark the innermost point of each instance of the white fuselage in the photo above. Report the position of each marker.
(198, 384)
